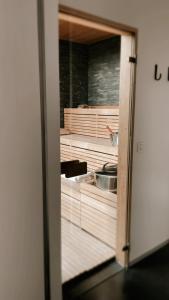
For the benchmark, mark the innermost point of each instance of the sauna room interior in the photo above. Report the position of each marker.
(89, 60)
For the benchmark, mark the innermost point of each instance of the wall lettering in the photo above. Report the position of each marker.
(158, 75)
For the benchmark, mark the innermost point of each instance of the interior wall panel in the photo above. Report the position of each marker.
(21, 204)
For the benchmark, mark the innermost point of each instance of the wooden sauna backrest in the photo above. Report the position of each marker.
(91, 121)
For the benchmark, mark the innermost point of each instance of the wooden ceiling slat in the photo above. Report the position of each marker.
(83, 31)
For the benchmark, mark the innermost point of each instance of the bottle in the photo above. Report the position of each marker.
(114, 137)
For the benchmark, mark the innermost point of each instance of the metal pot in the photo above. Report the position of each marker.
(106, 179)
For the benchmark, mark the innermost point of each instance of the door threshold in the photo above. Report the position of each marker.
(88, 280)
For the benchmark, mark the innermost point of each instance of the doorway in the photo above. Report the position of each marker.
(97, 75)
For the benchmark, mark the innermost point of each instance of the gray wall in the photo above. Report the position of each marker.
(52, 114)
(104, 72)
(21, 211)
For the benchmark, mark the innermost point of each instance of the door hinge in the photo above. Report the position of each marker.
(133, 59)
(126, 248)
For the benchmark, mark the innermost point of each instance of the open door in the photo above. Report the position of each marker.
(83, 31)
(126, 129)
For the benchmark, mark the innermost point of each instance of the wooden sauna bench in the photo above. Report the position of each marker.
(85, 138)
(91, 121)
(91, 209)
(89, 139)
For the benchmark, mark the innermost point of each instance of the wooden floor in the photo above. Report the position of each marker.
(81, 251)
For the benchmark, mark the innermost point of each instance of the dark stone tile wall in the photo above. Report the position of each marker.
(89, 74)
(73, 75)
(64, 78)
(104, 72)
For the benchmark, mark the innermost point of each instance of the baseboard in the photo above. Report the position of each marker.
(148, 253)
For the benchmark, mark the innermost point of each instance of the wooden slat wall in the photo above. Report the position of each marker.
(91, 121)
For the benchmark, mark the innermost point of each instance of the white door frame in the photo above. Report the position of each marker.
(50, 116)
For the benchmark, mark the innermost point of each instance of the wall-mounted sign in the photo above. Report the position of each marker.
(157, 74)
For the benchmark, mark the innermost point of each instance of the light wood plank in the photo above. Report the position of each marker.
(94, 111)
(80, 30)
(81, 252)
(99, 145)
(99, 206)
(125, 133)
(98, 192)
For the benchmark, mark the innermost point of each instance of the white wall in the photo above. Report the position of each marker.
(150, 200)
(21, 236)
(21, 227)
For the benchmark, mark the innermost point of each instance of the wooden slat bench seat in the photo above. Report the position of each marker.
(95, 151)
